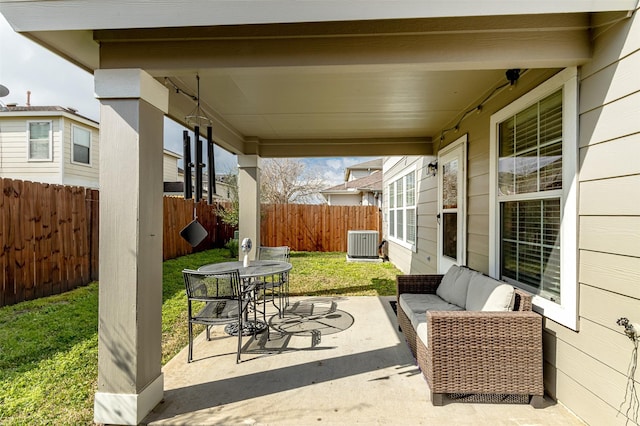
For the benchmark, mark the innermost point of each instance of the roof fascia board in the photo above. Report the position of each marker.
(47, 15)
(29, 114)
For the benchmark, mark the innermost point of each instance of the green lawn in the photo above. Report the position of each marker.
(49, 347)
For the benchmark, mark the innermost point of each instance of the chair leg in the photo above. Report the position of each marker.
(190, 351)
(239, 339)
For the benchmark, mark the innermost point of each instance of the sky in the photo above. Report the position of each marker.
(26, 66)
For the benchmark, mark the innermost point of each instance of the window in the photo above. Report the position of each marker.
(402, 210)
(81, 145)
(533, 169)
(40, 140)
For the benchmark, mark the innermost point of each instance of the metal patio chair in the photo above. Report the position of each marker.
(214, 299)
(275, 288)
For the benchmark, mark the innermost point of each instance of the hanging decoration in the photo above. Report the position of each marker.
(196, 119)
(194, 232)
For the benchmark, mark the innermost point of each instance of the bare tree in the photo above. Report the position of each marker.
(230, 214)
(286, 180)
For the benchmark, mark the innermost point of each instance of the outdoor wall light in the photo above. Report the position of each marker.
(432, 168)
(513, 75)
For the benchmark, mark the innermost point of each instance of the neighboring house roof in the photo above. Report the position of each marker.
(367, 165)
(39, 110)
(172, 154)
(371, 183)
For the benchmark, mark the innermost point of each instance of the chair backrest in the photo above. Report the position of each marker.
(273, 253)
(209, 285)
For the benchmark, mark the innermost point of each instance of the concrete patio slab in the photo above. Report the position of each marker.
(340, 361)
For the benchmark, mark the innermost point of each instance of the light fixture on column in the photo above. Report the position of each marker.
(432, 168)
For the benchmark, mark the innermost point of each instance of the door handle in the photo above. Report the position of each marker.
(438, 218)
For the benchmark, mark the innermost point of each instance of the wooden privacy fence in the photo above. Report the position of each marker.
(49, 236)
(178, 212)
(305, 227)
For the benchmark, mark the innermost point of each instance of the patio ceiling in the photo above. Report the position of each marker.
(365, 87)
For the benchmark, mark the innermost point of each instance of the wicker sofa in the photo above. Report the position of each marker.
(486, 345)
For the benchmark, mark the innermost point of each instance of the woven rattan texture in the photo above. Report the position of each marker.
(478, 353)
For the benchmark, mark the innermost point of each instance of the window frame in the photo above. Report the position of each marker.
(566, 311)
(74, 127)
(394, 207)
(50, 150)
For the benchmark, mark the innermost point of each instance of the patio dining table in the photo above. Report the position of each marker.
(255, 269)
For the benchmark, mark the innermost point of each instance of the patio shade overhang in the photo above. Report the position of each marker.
(280, 80)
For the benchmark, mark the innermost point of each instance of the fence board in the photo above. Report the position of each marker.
(315, 227)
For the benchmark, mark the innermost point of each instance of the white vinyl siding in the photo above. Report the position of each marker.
(39, 140)
(533, 204)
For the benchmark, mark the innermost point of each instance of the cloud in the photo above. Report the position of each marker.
(27, 66)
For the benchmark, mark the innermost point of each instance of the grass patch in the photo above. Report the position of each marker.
(328, 274)
(49, 346)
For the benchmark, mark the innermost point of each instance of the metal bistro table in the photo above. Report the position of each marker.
(255, 269)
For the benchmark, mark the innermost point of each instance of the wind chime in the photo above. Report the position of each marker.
(196, 120)
(194, 232)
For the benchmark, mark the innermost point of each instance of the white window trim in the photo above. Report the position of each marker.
(73, 161)
(402, 243)
(565, 313)
(39, 160)
(461, 142)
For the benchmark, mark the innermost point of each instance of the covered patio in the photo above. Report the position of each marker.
(360, 372)
(394, 79)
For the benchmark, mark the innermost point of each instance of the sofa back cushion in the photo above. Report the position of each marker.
(454, 284)
(487, 294)
(446, 289)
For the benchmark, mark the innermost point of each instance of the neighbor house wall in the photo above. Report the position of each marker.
(14, 163)
(169, 168)
(77, 173)
(344, 199)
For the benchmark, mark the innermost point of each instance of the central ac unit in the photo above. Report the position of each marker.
(362, 244)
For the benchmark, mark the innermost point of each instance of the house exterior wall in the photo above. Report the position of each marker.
(369, 199)
(169, 168)
(422, 260)
(586, 370)
(78, 173)
(14, 163)
(344, 199)
(357, 174)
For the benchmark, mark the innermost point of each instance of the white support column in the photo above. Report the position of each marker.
(130, 381)
(249, 193)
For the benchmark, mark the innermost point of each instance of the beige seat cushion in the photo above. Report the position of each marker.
(415, 305)
(487, 294)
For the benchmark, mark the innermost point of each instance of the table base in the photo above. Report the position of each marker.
(249, 328)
